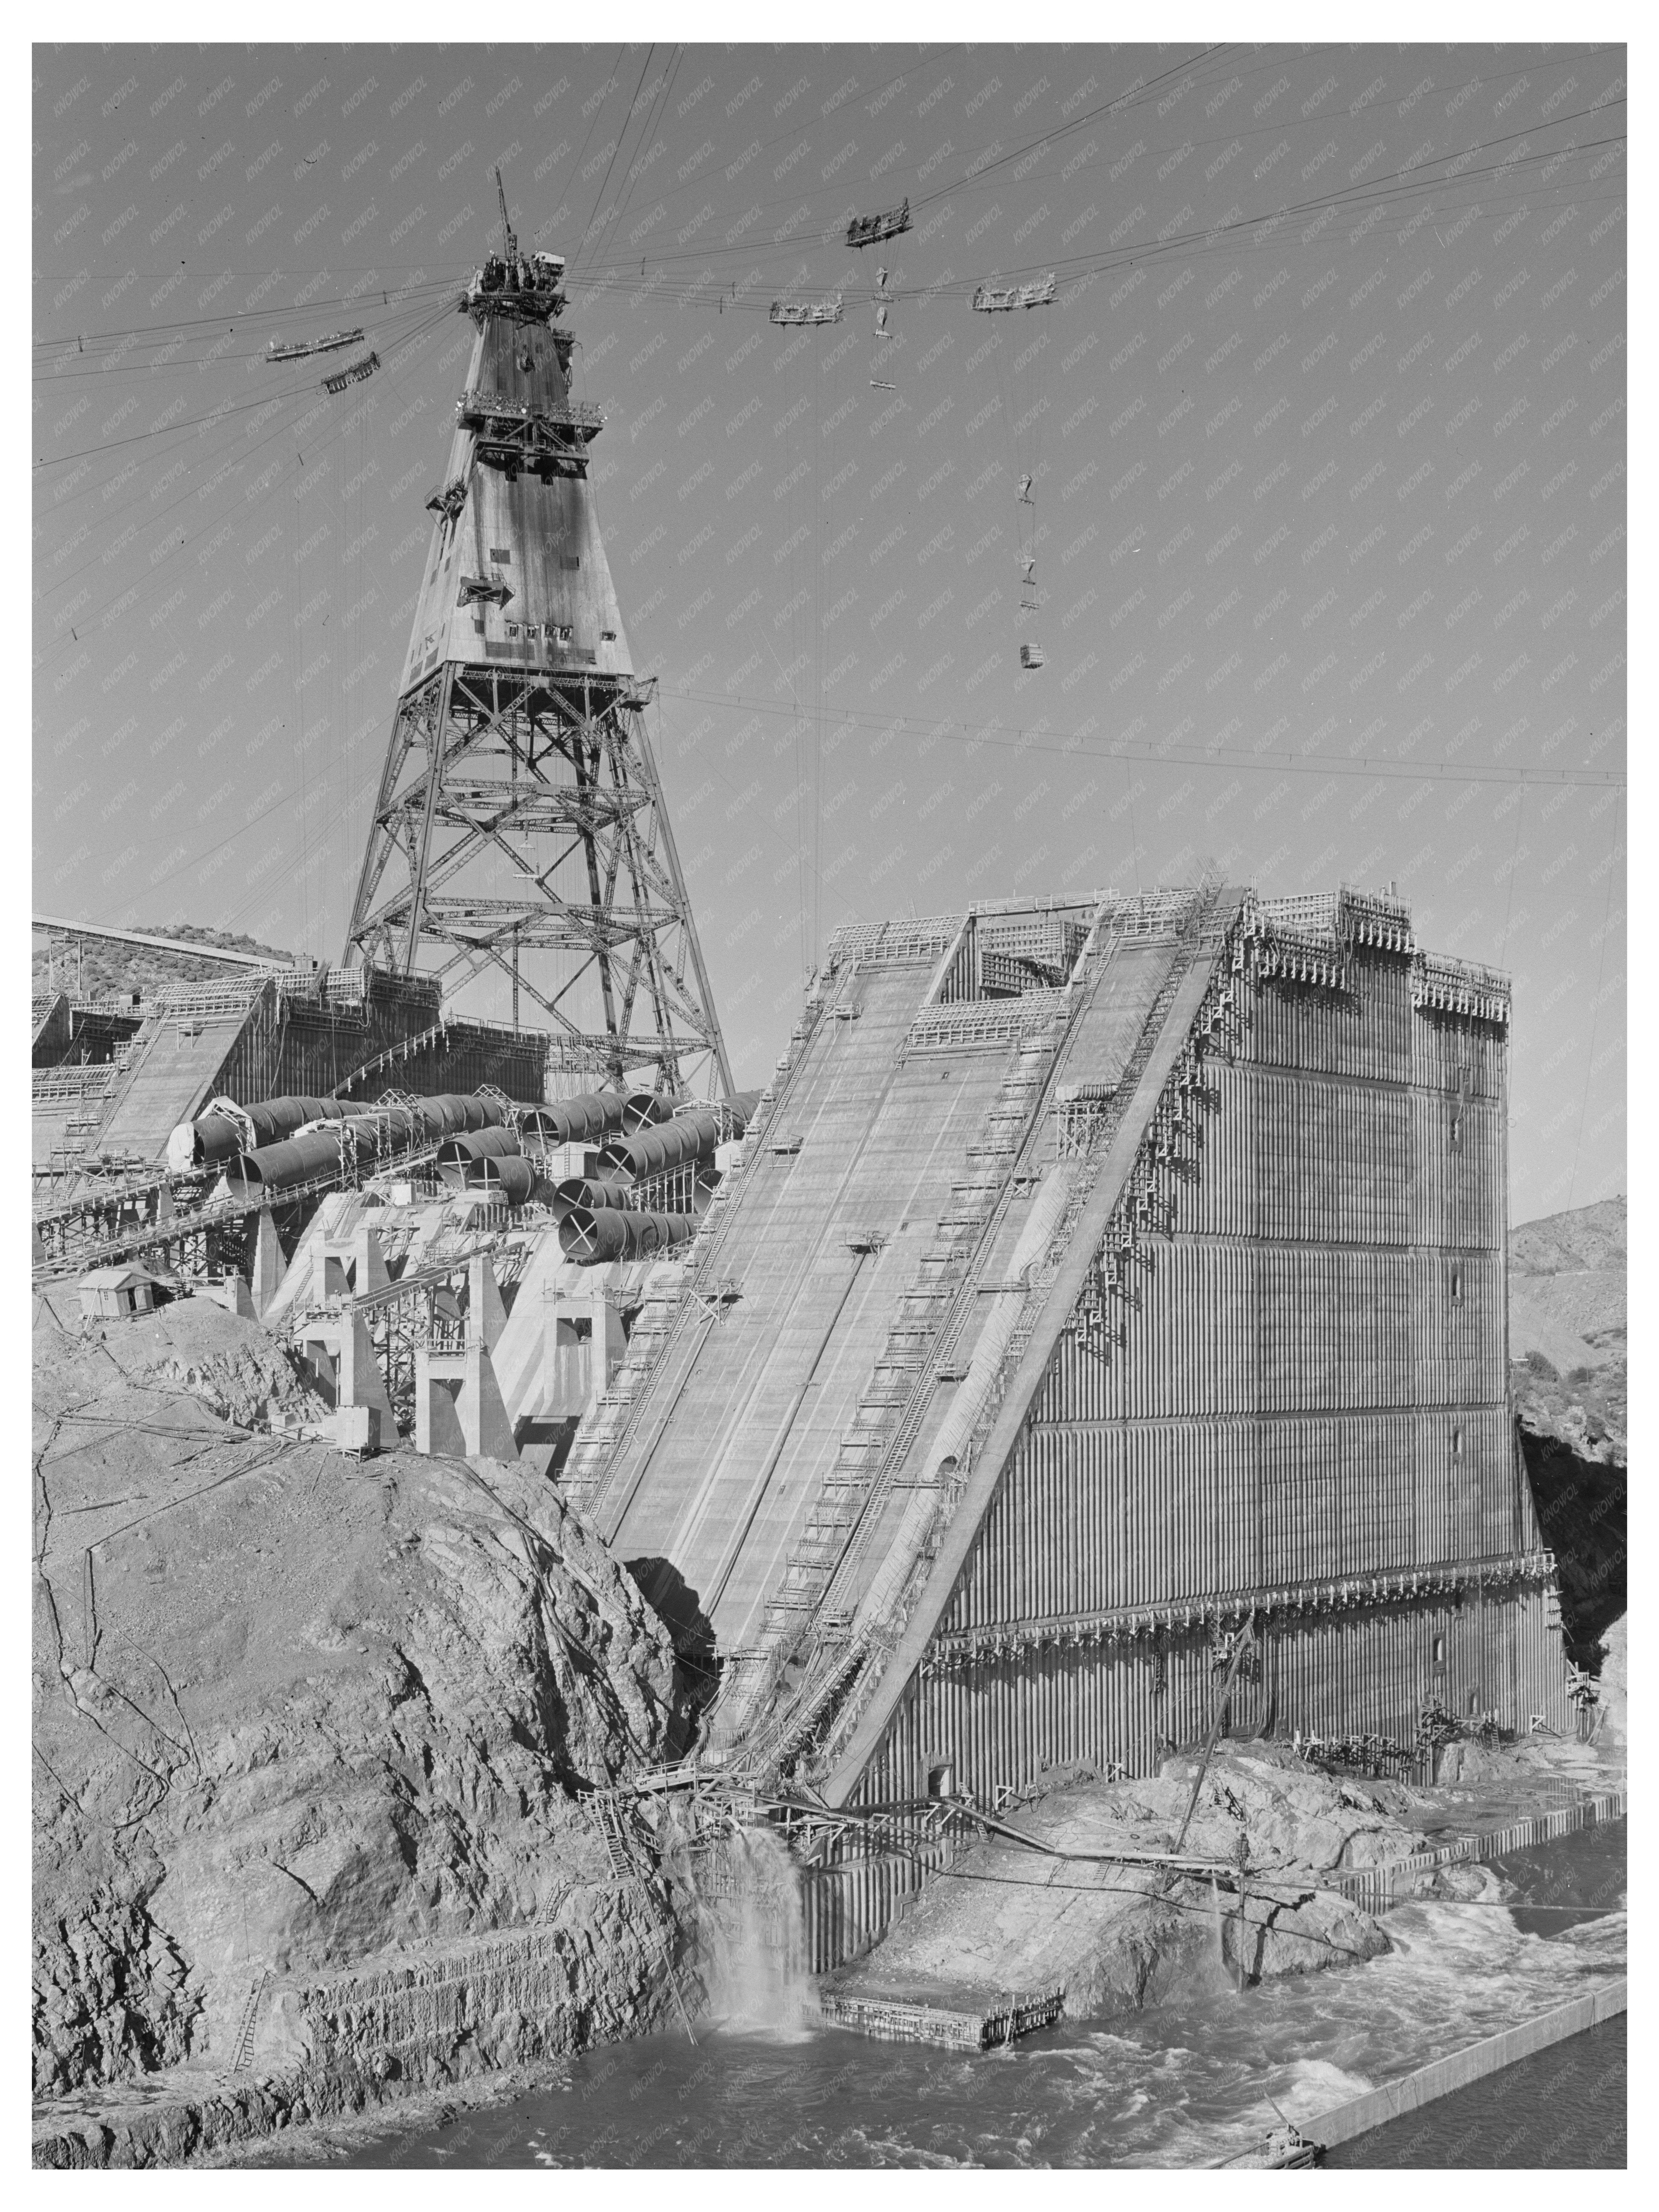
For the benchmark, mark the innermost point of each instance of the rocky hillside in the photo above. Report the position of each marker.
(107, 967)
(311, 1736)
(1567, 1321)
(1569, 1373)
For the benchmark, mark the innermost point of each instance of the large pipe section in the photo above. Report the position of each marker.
(643, 1110)
(278, 1167)
(218, 1136)
(509, 1179)
(369, 1132)
(591, 1115)
(589, 1235)
(593, 1191)
(642, 1136)
(273, 1119)
(461, 1158)
(467, 1112)
(687, 1138)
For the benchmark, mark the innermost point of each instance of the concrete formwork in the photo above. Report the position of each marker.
(1096, 1277)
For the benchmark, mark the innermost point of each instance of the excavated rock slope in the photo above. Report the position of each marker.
(309, 1734)
(1008, 1917)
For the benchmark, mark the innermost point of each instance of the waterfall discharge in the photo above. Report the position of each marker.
(755, 1952)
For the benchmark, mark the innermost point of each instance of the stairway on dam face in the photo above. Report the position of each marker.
(779, 1464)
(820, 1242)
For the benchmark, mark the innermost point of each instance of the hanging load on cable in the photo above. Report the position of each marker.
(884, 336)
(356, 374)
(302, 349)
(1024, 402)
(871, 229)
(791, 312)
(1002, 299)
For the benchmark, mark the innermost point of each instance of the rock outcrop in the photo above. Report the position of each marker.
(1009, 1916)
(311, 1739)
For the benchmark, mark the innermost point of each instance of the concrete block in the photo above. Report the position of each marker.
(357, 1428)
(269, 1265)
(320, 1349)
(438, 1387)
(341, 1353)
(486, 1315)
(232, 1293)
(458, 1409)
(369, 1262)
(484, 1417)
(582, 1348)
(361, 1382)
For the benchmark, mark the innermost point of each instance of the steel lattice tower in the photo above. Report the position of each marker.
(519, 826)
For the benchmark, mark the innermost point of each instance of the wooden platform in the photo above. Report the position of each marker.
(899, 2020)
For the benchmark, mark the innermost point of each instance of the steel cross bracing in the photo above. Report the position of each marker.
(551, 772)
(520, 832)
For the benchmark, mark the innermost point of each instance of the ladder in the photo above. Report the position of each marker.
(241, 2055)
(613, 1834)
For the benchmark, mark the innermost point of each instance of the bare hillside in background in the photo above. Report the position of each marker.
(109, 968)
(1567, 1324)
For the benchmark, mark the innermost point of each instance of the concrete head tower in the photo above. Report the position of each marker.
(519, 829)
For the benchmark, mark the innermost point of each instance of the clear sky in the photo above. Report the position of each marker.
(1326, 430)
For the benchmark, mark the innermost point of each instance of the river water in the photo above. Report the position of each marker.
(1180, 2086)
(1562, 2108)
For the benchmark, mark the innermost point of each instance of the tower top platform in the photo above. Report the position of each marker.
(523, 288)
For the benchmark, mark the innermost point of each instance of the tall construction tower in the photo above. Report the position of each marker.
(519, 828)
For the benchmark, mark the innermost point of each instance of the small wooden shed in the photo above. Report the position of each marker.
(116, 1293)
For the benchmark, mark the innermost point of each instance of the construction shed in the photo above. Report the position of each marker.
(116, 1293)
(1102, 1279)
